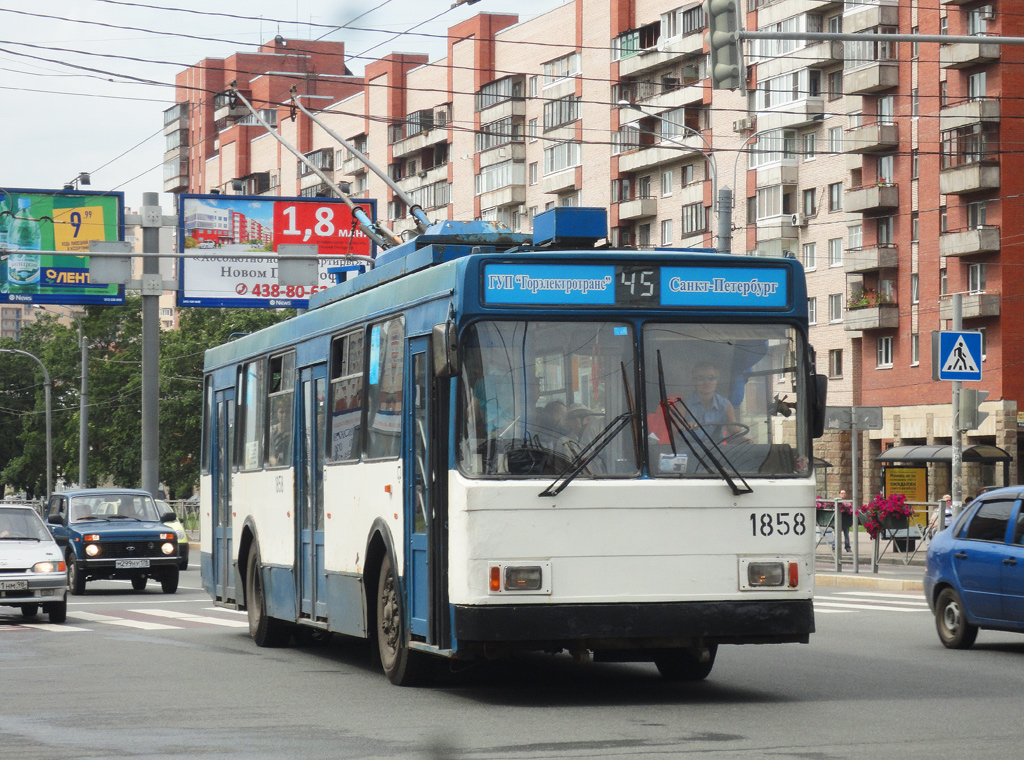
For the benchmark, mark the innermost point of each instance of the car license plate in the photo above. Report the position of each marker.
(13, 585)
(127, 564)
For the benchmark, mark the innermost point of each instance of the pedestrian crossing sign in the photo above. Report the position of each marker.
(958, 356)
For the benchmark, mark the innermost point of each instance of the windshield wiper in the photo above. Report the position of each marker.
(589, 452)
(674, 420)
(123, 517)
(19, 538)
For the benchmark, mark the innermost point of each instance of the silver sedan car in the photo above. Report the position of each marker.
(33, 573)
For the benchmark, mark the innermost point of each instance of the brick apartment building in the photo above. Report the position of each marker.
(878, 165)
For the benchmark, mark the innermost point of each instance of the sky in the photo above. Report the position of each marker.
(84, 83)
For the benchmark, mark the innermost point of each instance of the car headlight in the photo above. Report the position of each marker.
(167, 548)
(181, 535)
(49, 567)
(92, 550)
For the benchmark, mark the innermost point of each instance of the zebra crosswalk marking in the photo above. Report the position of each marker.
(145, 625)
(195, 618)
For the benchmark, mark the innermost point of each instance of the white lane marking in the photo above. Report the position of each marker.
(912, 597)
(110, 620)
(840, 605)
(194, 618)
(55, 627)
(158, 600)
(225, 609)
(867, 600)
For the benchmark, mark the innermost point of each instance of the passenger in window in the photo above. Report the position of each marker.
(280, 436)
(704, 404)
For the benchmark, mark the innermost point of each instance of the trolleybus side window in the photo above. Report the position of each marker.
(346, 396)
(207, 425)
(249, 413)
(537, 394)
(280, 409)
(384, 389)
(722, 387)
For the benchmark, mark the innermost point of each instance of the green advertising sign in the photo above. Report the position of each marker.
(43, 235)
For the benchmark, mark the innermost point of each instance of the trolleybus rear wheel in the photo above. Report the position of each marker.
(684, 665)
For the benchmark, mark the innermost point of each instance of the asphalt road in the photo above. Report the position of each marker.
(149, 675)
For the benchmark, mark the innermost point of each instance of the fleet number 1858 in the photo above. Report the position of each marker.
(781, 523)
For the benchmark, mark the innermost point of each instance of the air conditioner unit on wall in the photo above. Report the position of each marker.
(742, 125)
(798, 220)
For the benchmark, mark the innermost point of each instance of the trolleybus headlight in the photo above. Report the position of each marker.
(766, 573)
(92, 550)
(523, 578)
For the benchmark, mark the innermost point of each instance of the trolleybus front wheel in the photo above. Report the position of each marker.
(684, 665)
(402, 666)
(265, 630)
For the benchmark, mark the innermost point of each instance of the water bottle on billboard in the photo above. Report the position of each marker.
(5, 228)
(25, 235)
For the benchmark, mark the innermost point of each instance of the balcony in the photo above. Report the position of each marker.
(875, 77)
(418, 142)
(503, 109)
(647, 157)
(427, 177)
(778, 174)
(969, 178)
(871, 16)
(175, 118)
(638, 209)
(972, 306)
(511, 195)
(509, 151)
(872, 138)
(353, 165)
(776, 228)
(860, 260)
(872, 198)
(798, 113)
(176, 174)
(963, 55)
(675, 97)
(559, 181)
(967, 112)
(983, 239)
(882, 317)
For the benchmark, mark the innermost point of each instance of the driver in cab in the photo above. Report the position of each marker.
(713, 411)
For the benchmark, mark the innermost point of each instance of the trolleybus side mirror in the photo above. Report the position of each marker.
(443, 344)
(820, 385)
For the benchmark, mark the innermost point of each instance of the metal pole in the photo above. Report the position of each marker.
(854, 489)
(957, 489)
(46, 395)
(724, 220)
(83, 412)
(152, 287)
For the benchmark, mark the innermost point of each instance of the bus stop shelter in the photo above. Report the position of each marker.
(981, 453)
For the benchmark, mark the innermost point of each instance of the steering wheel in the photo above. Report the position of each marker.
(739, 434)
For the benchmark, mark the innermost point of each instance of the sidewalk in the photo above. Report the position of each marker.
(892, 574)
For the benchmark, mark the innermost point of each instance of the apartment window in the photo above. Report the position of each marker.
(915, 164)
(915, 287)
(984, 342)
(915, 102)
(643, 235)
(943, 219)
(560, 68)
(835, 197)
(835, 140)
(885, 169)
(835, 307)
(561, 156)
(695, 218)
(944, 25)
(943, 93)
(835, 252)
(500, 132)
(533, 173)
(915, 349)
(532, 84)
(915, 50)
(977, 20)
(686, 174)
(835, 24)
(915, 226)
(498, 91)
(976, 86)
(769, 202)
(835, 85)
(809, 146)
(666, 232)
(810, 256)
(643, 187)
(884, 230)
(866, 52)
(807, 203)
(976, 214)
(855, 236)
(772, 147)
(561, 111)
(532, 129)
(943, 282)
(885, 108)
(884, 352)
(812, 311)
(500, 175)
(976, 278)
(666, 183)
(835, 363)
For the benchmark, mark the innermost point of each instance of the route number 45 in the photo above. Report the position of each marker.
(781, 523)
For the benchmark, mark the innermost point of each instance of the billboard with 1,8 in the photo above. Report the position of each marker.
(42, 236)
(250, 227)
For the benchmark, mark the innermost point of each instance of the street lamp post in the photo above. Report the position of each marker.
(721, 199)
(46, 394)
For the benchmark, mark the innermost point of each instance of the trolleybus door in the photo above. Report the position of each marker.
(309, 512)
(222, 442)
(419, 486)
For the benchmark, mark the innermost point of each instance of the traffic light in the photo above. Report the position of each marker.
(971, 416)
(726, 57)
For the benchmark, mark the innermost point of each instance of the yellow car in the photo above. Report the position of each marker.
(179, 529)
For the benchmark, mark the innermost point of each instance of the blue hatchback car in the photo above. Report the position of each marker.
(975, 572)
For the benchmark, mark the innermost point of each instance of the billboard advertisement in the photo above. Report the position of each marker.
(43, 233)
(249, 228)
